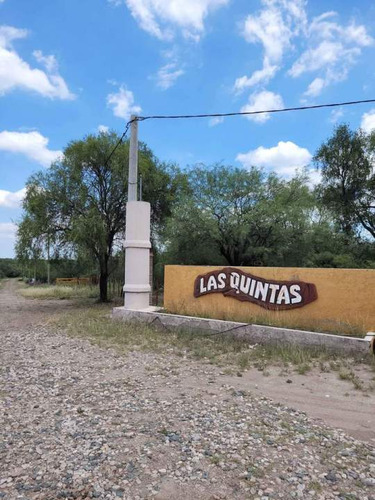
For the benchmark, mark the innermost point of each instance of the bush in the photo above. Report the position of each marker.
(9, 269)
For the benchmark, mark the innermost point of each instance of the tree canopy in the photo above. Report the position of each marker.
(80, 202)
(239, 217)
(74, 212)
(348, 179)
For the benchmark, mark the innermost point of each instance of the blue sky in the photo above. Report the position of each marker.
(70, 68)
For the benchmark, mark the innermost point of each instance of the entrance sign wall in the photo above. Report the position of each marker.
(338, 300)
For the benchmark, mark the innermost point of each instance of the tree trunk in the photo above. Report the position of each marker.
(103, 281)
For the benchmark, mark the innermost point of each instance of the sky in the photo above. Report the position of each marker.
(68, 69)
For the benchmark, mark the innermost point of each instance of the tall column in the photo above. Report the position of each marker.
(137, 255)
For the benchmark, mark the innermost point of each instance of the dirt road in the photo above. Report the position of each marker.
(78, 421)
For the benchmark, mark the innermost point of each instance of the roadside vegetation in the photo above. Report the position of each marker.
(232, 355)
(74, 212)
(60, 292)
(308, 324)
(9, 268)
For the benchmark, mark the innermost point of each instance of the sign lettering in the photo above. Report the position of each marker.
(270, 294)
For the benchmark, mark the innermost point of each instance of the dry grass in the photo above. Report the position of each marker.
(232, 355)
(95, 324)
(281, 321)
(346, 373)
(59, 292)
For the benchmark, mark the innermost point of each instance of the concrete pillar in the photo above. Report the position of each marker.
(151, 278)
(137, 255)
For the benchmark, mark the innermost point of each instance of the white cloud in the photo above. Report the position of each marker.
(216, 120)
(15, 73)
(160, 18)
(262, 101)
(326, 54)
(122, 103)
(315, 87)
(284, 159)
(49, 62)
(274, 27)
(103, 129)
(11, 199)
(8, 230)
(333, 50)
(31, 144)
(323, 28)
(263, 75)
(368, 121)
(336, 115)
(167, 75)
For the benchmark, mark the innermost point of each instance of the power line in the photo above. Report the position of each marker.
(236, 113)
(118, 143)
(246, 113)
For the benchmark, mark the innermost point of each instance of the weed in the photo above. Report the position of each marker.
(93, 322)
(315, 486)
(60, 292)
(348, 374)
(243, 360)
(303, 368)
(215, 459)
(324, 367)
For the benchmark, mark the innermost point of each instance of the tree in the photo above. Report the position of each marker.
(348, 181)
(29, 244)
(239, 217)
(80, 201)
(9, 268)
(34, 231)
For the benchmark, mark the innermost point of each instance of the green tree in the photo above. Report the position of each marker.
(80, 201)
(239, 217)
(348, 181)
(9, 268)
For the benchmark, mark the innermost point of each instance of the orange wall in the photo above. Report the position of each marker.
(345, 304)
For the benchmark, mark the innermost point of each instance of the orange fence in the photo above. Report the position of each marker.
(74, 281)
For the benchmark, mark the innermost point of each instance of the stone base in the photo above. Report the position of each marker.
(254, 334)
(121, 312)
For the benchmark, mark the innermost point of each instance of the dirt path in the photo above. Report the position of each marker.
(78, 421)
(18, 312)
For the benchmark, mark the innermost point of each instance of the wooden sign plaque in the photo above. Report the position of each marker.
(270, 294)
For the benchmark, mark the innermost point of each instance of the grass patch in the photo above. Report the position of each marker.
(348, 374)
(59, 292)
(303, 368)
(315, 486)
(313, 325)
(95, 324)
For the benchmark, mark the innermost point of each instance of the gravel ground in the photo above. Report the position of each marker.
(78, 422)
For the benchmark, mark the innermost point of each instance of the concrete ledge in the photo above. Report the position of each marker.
(254, 334)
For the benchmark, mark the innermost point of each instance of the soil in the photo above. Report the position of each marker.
(80, 421)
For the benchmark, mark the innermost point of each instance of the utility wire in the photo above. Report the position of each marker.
(118, 143)
(246, 113)
(237, 113)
